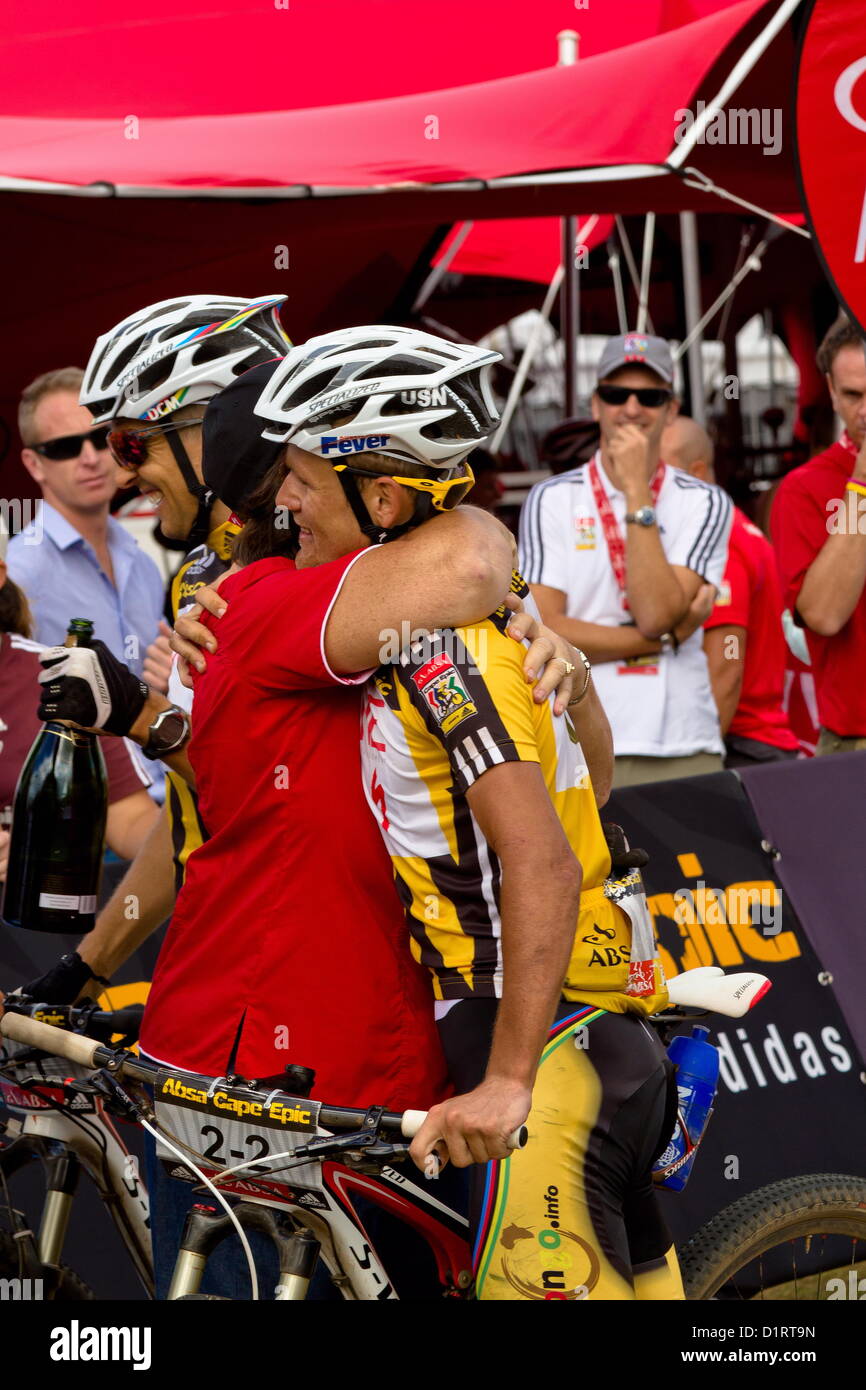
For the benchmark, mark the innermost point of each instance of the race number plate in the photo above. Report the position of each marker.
(226, 1127)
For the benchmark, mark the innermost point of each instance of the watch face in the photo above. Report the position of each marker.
(645, 516)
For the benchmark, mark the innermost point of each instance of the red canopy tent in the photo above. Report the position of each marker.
(355, 193)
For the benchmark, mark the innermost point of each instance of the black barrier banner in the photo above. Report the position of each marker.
(813, 812)
(791, 1100)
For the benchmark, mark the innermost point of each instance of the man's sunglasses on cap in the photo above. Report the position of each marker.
(69, 446)
(650, 397)
(130, 447)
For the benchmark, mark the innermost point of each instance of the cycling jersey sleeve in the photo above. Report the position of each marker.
(278, 616)
(468, 687)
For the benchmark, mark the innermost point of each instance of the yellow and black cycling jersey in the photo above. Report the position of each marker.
(456, 706)
(201, 566)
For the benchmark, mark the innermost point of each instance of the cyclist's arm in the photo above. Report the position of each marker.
(593, 730)
(601, 643)
(130, 821)
(140, 903)
(539, 903)
(453, 570)
(726, 657)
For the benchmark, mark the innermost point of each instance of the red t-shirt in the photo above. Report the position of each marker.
(750, 597)
(288, 940)
(799, 523)
(19, 700)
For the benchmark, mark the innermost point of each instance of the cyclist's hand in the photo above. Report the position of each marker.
(4, 853)
(547, 658)
(190, 637)
(91, 688)
(699, 610)
(64, 983)
(475, 1127)
(156, 669)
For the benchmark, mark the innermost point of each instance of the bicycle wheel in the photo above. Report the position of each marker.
(800, 1239)
(53, 1282)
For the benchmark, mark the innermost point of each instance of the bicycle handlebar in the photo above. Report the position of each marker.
(88, 1052)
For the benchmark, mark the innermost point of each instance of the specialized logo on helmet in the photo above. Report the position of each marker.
(349, 393)
(352, 444)
(551, 1265)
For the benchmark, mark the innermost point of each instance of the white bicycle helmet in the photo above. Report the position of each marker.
(179, 352)
(397, 392)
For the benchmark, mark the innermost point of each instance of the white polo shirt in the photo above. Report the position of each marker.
(663, 706)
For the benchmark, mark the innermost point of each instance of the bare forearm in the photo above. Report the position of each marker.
(834, 583)
(655, 597)
(539, 905)
(142, 900)
(603, 643)
(453, 570)
(593, 730)
(129, 822)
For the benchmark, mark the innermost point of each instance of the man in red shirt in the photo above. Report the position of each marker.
(744, 639)
(818, 525)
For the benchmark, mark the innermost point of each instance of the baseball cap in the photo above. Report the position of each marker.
(637, 350)
(235, 458)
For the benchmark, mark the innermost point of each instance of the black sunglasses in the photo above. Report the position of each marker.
(69, 446)
(130, 447)
(650, 397)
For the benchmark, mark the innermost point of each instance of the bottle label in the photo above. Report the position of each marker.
(68, 902)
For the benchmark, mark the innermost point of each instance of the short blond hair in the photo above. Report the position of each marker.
(61, 379)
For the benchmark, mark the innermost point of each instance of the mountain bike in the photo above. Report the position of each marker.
(62, 1121)
(297, 1166)
(303, 1164)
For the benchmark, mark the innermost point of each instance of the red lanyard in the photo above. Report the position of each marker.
(612, 533)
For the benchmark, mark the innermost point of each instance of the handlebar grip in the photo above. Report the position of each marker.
(414, 1119)
(29, 1031)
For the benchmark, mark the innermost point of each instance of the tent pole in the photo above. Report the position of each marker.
(438, 271)
(567, 41)
(616, 273)
(584, 230)
(692, 288)
(526, 360)
(568, 314)
(649, 230)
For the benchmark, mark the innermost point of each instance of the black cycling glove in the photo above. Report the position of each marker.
(64, 983)
(90, 687)
(621, 856)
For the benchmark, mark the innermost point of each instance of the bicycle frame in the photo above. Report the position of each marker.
(319, 1198)
(69, 1133)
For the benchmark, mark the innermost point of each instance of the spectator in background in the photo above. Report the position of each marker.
(131, 812)
(818, 525)
(74, 560)
(743, 636)
(486, 492)
(624, 556)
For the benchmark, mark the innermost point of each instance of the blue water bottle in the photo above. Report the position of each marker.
(697, 1077)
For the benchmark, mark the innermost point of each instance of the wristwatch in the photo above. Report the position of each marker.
(644, 516)
(169, 732)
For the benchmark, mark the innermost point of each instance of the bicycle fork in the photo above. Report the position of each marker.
(206, 1228)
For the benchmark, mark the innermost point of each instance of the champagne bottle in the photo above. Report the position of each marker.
(58, 825)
